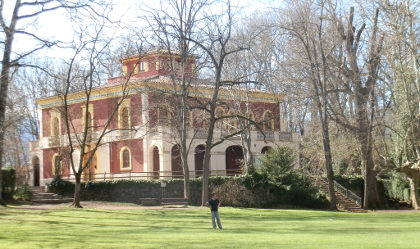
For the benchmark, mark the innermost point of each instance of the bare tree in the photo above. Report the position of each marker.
(305, 23)
(13, 25)
(402, 53)
(174, 26)
(359, 82)
(215, 42)
(81, 77)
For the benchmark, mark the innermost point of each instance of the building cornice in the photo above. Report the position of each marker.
(199, 91)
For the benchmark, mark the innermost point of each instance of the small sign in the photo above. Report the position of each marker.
(163, 184)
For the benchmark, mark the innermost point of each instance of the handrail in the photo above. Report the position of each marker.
(348, 193)
(344, 191)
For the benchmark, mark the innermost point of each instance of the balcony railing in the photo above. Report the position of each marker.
(200, 134)
(155, 175)
(286, 136)
(54, 141)
(269, 136)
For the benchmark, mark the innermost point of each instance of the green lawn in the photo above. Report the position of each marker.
(191, 228)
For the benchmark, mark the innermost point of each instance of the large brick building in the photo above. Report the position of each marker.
(141, 139)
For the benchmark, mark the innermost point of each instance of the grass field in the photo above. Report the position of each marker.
(21, 227)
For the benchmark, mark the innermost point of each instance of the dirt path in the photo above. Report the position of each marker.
(103, 205)
(97, 205)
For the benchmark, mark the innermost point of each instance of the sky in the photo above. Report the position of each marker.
(55, 25)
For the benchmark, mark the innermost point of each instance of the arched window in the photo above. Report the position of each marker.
(164, 114)
(89, 173)
(57, 165)
(55, 127)
(200, 119)
(232, 122)
(124, 119)
(89, 120)
(268, 120)
(251, 117)
(125, 122)
(125, 159)
(89, 126)
(219, 112)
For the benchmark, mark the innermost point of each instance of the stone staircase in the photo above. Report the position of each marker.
(40, 196)
(345, 199)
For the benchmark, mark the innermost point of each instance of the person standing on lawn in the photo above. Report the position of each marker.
(214, 204)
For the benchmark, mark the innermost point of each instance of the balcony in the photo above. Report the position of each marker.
(126, 134)
(54, 141)
(269, 136)
(286, 136)
(200, 134)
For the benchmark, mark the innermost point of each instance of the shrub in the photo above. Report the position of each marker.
(287, 185)
(59, 186)
(23, 193)
(277, 164)
(9, 182)
(395, 186)
(233, 191)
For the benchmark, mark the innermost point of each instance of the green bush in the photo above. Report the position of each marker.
(289, 187)
(23, 193)
(59, 186)
(395, 186)
(9, 182)
(243, 191)
(277, 164)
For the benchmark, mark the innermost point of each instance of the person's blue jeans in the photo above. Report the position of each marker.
(215, 216)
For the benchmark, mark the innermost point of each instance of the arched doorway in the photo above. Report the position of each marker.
(199, 159)
(176, 163)
(266, 149)
(234, 160)
(35, 164)
(156, 163)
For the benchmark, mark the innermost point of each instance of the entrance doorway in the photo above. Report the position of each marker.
(234, 160)
(35, 164)
(199, 159)
(176, 163)
(156, 164)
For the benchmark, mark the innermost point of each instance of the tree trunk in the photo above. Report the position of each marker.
(207, 156)
(414, 185)
(412, 170)
(371, 198)
(183, 134)
(77, 190)
(4, 86)
(328, 162)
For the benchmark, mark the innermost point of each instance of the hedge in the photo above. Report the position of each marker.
(9, 182)
(233, 191)
(394, 189)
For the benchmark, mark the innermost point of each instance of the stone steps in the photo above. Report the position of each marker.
(342, 202)
(40, 196)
